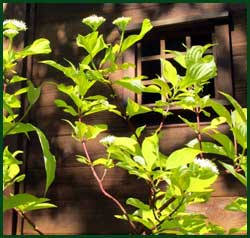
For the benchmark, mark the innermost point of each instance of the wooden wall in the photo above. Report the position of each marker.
(81, 207)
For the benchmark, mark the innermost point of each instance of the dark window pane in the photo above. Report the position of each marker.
(201, 39)
(151, 68)
(208, 89)
(175, 43)
(150, 97)
(150, 47)
(180, 70)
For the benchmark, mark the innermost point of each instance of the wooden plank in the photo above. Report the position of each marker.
(65, 148)
(223, 55)
(73, 182)
(82, 217)
(214, 210)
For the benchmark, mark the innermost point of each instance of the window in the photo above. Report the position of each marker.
(171, 35)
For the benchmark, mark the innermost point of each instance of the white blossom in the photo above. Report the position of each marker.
(14, 24)
(10, 33)
(140, 160)
(93, 21)
(104, 103)
(206, 164)
(108, 140)
(122, 22)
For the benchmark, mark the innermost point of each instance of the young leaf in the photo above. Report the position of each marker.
(238, 205)
(67, 108)
(132, 39)
(137, 203)
(193, 55)
(108, 163)
(133, 84)
(150, 150)
(94, 131)
(226, 143)
(40, 46)
(231, 169)
(236, 105)
(201, 185)
(82, 159)
(181, 157)
(17, 78)
(220, 110)
(134, 108)
(25, 202)
(179, 57)
(169, 72)
(33, 93)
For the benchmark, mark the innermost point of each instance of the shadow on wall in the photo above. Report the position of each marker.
(81, 207)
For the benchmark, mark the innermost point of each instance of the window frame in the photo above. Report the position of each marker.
(221, 25)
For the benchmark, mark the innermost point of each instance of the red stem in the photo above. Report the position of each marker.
(199, 130)
(105, 193)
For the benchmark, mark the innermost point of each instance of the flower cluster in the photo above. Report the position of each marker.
(14, 24)
(206, 164)
(12, 27)
(94, 22)
(122, 22)
(108, 140)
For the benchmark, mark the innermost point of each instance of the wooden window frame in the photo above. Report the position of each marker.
(222, 53)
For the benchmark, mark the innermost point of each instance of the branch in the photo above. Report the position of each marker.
(33, 225)
(105, 193)
(199, 137)
(123, 112)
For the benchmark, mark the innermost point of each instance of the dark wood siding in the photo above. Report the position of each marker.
(81, 207)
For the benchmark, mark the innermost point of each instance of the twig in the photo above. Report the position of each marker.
(105, 193)
(199, 137)
(25, 217)
(123, 112)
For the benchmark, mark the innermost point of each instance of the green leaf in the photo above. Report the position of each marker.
(201, 185)
(17, 78)
(150, 150)
(220, 110)
(238, 205)
(139, 130)
(210, 148)
(165, 90)
(179, 57)
(226, 143)
(82, 159)
(108, 163)
(201, 72)
(181, 157)
(137, 203)
(236, 105)
(241, 229)
(33, 93)
(134, 108)
(193, 55)
(126, 143)
(231, 169)
(21, 91)
(94, 131)
(91, 43)
(132, 39)
(67, 108)
(133, 84)
(49, 158)
(40, 46)
(169, 72)
(25, 202)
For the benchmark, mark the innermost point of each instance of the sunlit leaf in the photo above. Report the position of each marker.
(181, 157)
